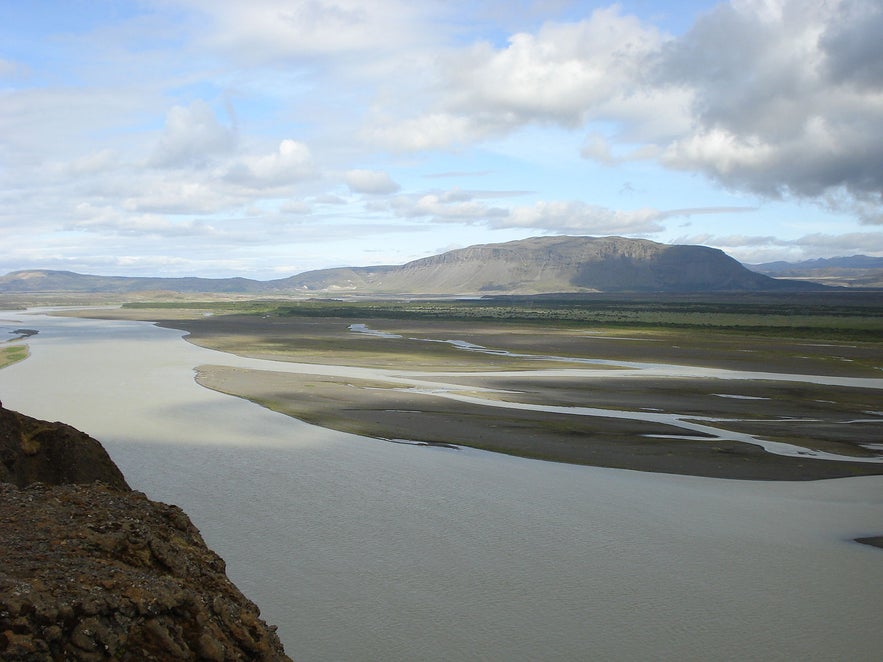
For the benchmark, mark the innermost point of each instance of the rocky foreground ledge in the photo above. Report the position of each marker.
(96, 571)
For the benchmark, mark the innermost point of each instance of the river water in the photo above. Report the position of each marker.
(365, 550)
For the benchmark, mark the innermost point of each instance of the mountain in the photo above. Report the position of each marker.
(552, 264)
(528, 266)
(854, 271)
(92, 570)
(41, 280)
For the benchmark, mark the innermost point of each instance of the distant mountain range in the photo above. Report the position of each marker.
(529, 266)
(854, 271)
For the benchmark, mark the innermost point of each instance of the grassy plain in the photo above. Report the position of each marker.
(830, 335)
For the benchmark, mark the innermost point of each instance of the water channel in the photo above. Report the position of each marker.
(364, 550)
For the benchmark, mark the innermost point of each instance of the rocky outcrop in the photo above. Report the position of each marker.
(100, 572)
(33, 451)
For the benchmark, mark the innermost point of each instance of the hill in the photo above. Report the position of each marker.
(529, 266)
(44, 280)
(853, 271)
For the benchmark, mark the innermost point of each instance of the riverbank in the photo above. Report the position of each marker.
(701, 404)
(358, 547)
(406, 416)
(819, 418)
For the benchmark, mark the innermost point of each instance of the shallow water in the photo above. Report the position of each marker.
(364, 550)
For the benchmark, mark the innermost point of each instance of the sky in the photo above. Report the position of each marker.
(265, 138)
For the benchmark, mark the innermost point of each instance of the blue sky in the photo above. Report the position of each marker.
(270, 137)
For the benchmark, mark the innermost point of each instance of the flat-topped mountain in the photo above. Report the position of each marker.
(554, 264)
(529, 266)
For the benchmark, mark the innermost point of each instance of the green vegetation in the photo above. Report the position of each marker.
(12, 354)
(246, 307)
(841, 316)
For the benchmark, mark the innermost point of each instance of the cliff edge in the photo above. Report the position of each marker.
(96, 571)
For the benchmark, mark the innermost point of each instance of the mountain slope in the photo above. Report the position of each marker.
(557, 264)
(529, 266)
(41, 280)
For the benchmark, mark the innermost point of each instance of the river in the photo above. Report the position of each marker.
(365, 550)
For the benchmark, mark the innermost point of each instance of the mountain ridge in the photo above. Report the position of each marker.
(537, 265)
(857, 271)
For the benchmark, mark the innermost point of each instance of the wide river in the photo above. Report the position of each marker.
(366, 550)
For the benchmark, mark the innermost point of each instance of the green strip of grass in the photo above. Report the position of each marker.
(841, 318)
(13, 354)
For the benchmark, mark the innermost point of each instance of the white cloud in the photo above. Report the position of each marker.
(10, 69)
(775, 110)
(581, 217)
(756, 249)
(292, 162)
(108, 220)
(262, 31)
(296, 207)
(177, 196)
(559, 216)
(192, 136)
(773, 97)
(561, 74)
(564, 74)
(436, 207)
(93, 163)
(370, 181)
(437, 130)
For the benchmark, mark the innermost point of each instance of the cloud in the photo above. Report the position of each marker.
(292, 162)
(11, 69)
(440, 208)
(177, 196)
(561, 74)
(91, 164)
(756, 249)
(295, 207)
(565, 74)
(779, 98)
(581, 217)
(852, 45)
(192, 136)
(784, 101)
(370, 181)
(275, 31)
(469, 207)
(597, 148)
(437, 130)
(108, 220)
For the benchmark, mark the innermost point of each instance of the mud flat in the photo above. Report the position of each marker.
(702, 403)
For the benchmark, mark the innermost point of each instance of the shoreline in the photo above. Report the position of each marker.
(747, 407)
(388, 414)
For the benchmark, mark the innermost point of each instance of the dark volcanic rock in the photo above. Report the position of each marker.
(54, 453)
(100, 572)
